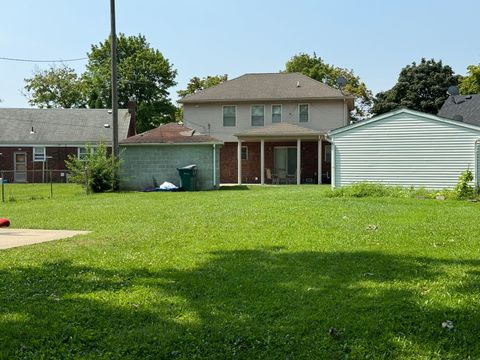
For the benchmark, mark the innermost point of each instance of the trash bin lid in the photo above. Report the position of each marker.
(188, 167)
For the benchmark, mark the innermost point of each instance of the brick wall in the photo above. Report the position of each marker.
(251, 166)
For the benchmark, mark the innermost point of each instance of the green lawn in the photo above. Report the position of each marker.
(261, 273)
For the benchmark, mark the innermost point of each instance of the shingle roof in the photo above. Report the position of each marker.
(280, 130)
(171, 133)
(467, 106)
(265, 87)
(59, 126)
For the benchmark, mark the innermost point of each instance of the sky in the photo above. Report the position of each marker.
(374, 38)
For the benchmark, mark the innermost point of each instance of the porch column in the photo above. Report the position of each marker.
(239, 162)
(320, 158)
(262, 161)
(299, 159)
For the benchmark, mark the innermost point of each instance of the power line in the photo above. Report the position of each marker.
(42, 61)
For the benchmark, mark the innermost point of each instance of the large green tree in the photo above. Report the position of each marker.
(57, 87)
(470, 84)
(143, 73)
(421, 87)
(196, 84)
(314, 67)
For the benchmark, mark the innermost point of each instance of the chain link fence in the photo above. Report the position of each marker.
(31, 184)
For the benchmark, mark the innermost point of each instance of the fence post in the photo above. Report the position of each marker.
(51, 185)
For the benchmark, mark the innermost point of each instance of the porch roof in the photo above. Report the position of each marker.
(281, 130)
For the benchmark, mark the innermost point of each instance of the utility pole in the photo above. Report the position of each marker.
(113, 39)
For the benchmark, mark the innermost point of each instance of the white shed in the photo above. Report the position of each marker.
(405, 148)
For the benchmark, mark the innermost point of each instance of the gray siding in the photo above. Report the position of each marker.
(143, 163)
(405, 149)
(324, 115)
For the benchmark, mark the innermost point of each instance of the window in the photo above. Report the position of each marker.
(276, 113)
(258, 115)
(328, 153)
(303, 113)
(244, 152)
(229, 115)
(82, 152)
(39, 153)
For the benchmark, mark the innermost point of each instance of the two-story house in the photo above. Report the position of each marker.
(273, 126)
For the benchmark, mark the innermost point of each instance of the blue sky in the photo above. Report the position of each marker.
(374, 38)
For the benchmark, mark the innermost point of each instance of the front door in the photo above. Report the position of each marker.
(285, 158)
(20, 166)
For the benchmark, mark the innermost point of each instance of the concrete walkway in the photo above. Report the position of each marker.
(10, 238)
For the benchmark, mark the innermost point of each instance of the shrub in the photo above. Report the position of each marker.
(97, 171)
(463, 189)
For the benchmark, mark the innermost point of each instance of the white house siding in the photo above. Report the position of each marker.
(405, 149)
(208, 117)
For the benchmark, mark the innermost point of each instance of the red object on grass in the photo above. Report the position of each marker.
(4, 222)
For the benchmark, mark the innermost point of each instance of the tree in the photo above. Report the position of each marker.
(470, 84)
(55, 88)
(196, 84)
(421, 87)
(314, 67)
(143, 73)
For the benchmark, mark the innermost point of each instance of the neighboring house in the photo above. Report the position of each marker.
(406, 148)
(464, 108)
(36, 142)
(150, 158)
(273, 126)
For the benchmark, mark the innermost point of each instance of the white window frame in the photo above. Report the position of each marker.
(281, 113)
(244, 147)
(308, 113)
(251, 114)
(223, 114)
(81, 155)
(36, 156)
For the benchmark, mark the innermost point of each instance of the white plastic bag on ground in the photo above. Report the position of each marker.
(168, 186)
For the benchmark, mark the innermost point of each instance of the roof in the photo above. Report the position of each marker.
(171, 133)
(280, 130)
(401, 111)
(59, 126)
(267, 87)
(467, 106)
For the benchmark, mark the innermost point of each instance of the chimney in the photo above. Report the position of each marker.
(132, 110)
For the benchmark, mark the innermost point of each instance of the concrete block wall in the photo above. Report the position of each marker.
(141, 164)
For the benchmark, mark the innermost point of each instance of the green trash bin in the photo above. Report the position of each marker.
(188, 177)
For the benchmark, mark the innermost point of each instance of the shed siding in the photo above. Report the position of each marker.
(142, 164)
(405, 149)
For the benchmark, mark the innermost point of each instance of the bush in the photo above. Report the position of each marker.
(463, 190)
(97, 171)
(366, 189)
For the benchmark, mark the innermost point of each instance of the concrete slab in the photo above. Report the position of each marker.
(10, 238)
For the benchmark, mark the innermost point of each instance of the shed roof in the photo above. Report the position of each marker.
(59, 126)
(400, 111)
(467, 106)
(171, 133)
(268, 87)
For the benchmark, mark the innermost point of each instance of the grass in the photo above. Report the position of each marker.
(267, 273)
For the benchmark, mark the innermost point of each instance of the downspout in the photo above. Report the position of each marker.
(214, 167)
(476, 164)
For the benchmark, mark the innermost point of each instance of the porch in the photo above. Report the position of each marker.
(282, 154)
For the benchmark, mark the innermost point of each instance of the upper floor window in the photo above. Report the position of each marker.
(39, 153)
(229, 115)
(303, 113)
(258, 115)
(276, 113)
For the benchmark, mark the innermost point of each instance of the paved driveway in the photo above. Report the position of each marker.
(10, 238)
